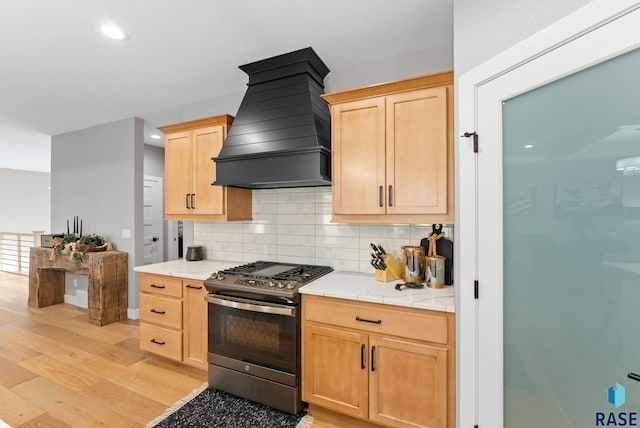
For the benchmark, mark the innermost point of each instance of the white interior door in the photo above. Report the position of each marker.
(153, 220)
(557, 251)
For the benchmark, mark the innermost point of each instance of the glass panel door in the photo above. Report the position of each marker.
(571, 263)
(559, 236)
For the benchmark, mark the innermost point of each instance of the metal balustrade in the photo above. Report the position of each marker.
(14, 250)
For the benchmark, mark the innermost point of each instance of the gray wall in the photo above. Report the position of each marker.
(153, 160)
(96, 174)
(483, 29)
(26, 201)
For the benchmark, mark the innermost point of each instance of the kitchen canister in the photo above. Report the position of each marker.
(412, 264)
(194, 253)
(435, 271)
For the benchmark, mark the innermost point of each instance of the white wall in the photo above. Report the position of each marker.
(482, 29)
(383, 70)
(25, 201)
(96, 174)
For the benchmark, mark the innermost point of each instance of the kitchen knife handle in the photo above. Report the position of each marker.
(187, 201)
(193, 201)
(380, 196)
(390, 195)
(362, 347)
(373, 364)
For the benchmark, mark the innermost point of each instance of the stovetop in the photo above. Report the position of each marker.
(262, 279)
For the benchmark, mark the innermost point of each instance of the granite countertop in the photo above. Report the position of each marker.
(364, 287)
(199, 270)
(342, 285)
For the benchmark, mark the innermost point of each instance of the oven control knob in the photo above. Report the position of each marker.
(281, 285)
(272, 284)
(291, 285)
(251, 282)
(220, 277)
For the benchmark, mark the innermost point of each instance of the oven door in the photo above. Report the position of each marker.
(254, 337)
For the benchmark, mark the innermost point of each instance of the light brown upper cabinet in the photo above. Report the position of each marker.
(392, 151)
(189, 172)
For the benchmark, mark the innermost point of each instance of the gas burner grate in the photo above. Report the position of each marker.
(282, 271)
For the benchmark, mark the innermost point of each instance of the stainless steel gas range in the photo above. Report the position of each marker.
(254, 331)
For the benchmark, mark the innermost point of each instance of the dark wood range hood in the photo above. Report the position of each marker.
(281, 136)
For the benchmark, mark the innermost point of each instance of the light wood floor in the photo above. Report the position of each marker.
(57, 370)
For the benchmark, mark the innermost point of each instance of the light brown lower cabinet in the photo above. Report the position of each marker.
(173, 319)
(394, 366)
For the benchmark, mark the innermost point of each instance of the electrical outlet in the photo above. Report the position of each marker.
(126, 233)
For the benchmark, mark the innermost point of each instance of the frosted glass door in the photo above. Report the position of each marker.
(571, 212)
(559, 236)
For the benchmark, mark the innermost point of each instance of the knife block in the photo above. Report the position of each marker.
(393, 270)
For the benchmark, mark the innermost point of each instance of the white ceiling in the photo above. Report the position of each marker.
(59, 74)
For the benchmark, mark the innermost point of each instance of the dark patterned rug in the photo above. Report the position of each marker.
(213, 408)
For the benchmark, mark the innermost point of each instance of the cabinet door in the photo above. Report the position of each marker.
(207, 143)
(358, 156)
(195, 324)
(178, 173)
(417, 152)
(335, 372)
(408, 383)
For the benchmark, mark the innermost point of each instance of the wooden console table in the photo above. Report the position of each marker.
(108, 282)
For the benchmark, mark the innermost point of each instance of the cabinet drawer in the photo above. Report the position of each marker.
(396, 321)
(161, 341)
(164, 311)
(164, 285)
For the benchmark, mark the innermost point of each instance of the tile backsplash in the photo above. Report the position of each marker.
(294, 225)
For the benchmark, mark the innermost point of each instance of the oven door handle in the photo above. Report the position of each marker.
(278, 310)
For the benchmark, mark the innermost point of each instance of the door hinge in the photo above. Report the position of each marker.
(475, 139)
(476, 286)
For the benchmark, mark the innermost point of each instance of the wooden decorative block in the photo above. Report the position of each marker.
(108, 282)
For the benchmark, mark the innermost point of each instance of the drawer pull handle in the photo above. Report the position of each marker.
(158, 342)
(380, 196)
(194, 287)
(371, 321)
(362, 356)
(390, 195)
(156, 286)
(634, 376)
(373, 364)
(155, 311)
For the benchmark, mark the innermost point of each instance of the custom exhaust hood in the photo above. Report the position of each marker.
(281, 136)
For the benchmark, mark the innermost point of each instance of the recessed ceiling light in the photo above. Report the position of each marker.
(155, 136)
(113, 32)
(528, 146)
